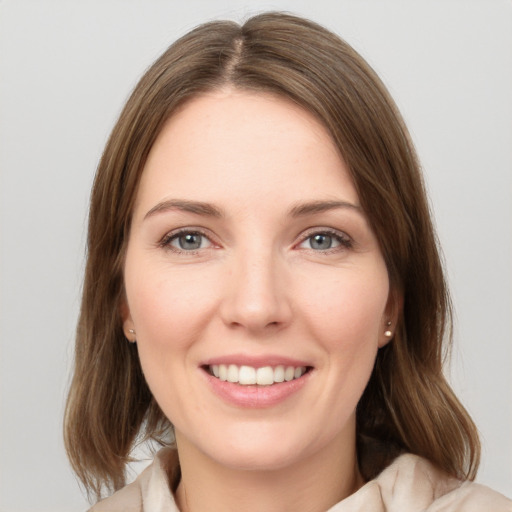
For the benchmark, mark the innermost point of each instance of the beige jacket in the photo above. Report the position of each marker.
(410, 484)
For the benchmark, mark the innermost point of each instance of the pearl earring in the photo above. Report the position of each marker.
(388, 333)
(132, 331)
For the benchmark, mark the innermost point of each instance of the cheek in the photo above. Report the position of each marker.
(348, 312)
(167, 307)
(169, 312)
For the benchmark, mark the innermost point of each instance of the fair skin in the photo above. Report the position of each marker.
(248, 248)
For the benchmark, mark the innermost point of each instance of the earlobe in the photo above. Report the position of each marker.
(390, 318)
(128, 325)
(388, 333)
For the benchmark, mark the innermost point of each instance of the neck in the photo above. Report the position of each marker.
(313, 485)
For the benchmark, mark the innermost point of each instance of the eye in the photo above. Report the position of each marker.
(322, 242)
(325, 241)
(186, 241)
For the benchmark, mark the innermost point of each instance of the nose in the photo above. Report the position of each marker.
(256, 294)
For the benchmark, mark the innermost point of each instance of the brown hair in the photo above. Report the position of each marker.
(407, 405)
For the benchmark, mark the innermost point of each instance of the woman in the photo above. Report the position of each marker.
(263, 286)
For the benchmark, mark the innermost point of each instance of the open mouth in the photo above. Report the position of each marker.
(263, 376)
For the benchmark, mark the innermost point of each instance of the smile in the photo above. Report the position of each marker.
(248, 375)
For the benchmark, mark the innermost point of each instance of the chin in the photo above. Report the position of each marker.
(257, 460)
(263, 449)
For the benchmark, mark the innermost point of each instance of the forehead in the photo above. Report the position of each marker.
(230, 142)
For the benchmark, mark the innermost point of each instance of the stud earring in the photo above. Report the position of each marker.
(132, 331)
(388, 333)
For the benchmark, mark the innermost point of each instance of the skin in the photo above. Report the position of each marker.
(256, 287)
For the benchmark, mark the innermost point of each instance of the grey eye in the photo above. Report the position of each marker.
(188, 241)
(321, 242)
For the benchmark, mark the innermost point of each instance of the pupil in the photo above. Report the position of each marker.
(190, 241)
(321, 242)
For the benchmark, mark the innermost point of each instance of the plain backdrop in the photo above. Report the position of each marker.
(66, 68)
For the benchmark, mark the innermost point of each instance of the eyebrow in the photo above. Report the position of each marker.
(209, 210)
(313, 207)
(197, 207)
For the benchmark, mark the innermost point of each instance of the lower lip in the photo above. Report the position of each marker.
(255, 396)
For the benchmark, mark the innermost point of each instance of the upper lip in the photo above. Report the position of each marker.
(255, 361)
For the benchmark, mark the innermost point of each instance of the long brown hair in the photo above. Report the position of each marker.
(407, 405)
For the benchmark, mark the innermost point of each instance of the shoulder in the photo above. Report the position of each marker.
(414, 480)
(148, 493)
(413, 484)
(127, 499)
(472, 497)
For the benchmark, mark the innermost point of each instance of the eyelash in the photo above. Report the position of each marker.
(345, 242)
(165, 242)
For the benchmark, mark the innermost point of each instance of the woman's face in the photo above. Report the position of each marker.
(255, 285)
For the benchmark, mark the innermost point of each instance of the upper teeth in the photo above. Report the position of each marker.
(265, 376)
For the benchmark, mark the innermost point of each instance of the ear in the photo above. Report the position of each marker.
(391, 316)
(126, 317)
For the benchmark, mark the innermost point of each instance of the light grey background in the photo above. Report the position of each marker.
(66, 67)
